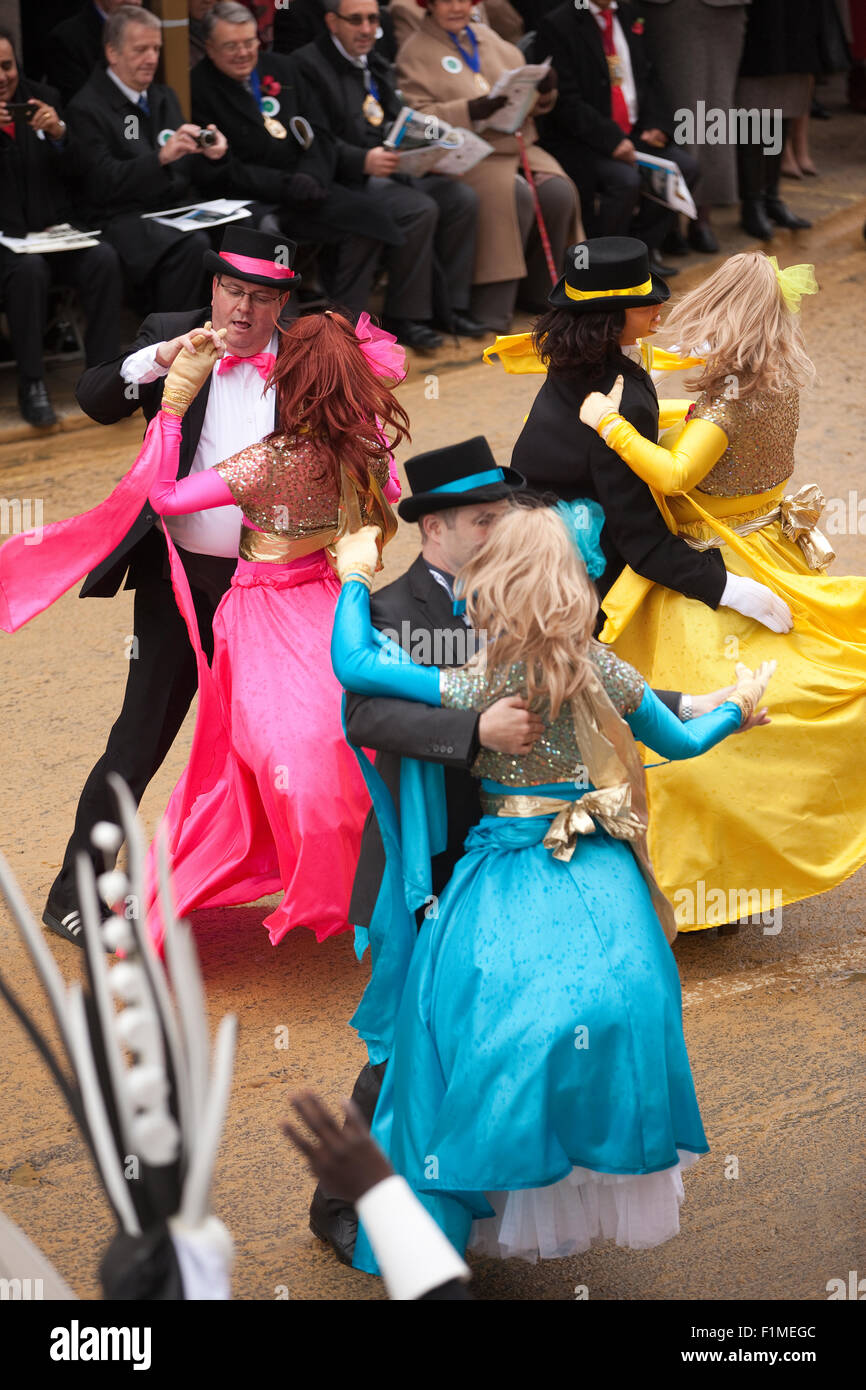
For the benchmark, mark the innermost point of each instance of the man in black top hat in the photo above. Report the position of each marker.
(37, 173)
(252, 280)
(607, 301)
(138, 155)
(458, 494)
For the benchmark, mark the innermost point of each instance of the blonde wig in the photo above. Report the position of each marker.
(528, 590)
(739, 322)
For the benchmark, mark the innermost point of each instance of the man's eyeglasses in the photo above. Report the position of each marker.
(236, 46)
(261, 301)
(357, 20)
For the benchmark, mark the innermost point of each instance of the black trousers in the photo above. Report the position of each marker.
(24, 284)
(438, 217)
(616, 187)
(159, 689)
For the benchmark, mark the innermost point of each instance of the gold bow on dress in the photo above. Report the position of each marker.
(610, 807)
(799, 515)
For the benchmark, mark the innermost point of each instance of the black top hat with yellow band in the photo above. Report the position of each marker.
(256, 256)
(607, 272)
(460, 475)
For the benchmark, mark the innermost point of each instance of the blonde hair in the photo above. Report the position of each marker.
(739, 322)
(528, 590)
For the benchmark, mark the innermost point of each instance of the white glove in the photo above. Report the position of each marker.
(596, 405)
(756, 601)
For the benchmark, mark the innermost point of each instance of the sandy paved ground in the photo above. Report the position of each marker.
(774, 1024)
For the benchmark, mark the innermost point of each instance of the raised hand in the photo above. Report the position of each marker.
(190, 368)
(597, 405)
(357, 554)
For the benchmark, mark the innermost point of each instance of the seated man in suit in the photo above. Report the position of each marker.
(355, 100)
(278, 158)
(138, 155)
(610, 108)
(73, 48)
(37, 169)
(301, 21)
(251, 281)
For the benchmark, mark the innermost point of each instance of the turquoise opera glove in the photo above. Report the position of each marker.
(368, 663)
(653, 724)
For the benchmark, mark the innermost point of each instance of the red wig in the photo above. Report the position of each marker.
(326, 386)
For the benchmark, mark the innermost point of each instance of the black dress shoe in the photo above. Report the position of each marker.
(702, 238)
(755, 221)
(675, 243)
(336, 1225)
(466, 327)
(34, 404)
(782, 215)
(657, 267)
(413, 334)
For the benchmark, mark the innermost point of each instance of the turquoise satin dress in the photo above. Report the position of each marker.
(537, 1025)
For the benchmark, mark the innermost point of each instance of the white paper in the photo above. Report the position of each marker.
(61, 237)
(425, 144)
(198, 216)
(520, 86)
(663, 183)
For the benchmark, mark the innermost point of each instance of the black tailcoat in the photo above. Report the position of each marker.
(404, 728)
(580, 126)
(259, 165)
(121, 173)
(556, 452)
(105, 397)
(338, 90)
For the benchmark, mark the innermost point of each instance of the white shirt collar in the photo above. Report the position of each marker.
(359, 62)
(597, 9)
(129, 92)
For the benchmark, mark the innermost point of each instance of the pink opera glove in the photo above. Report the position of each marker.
(173, 496)
(393, 488)
(381, 350)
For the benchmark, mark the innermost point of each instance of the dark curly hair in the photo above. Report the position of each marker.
(585, 343)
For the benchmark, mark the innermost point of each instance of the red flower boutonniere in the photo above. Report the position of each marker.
(270, 86)
(637, 27)
(691, 410)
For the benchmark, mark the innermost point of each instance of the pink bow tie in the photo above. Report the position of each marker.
(262, 361)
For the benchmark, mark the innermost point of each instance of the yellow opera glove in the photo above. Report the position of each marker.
(698, 448)
(189, 371)
(357, 554)
(750, 687)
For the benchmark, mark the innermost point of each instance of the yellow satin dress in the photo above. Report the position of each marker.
(778, 814)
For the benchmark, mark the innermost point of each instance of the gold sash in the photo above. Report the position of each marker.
(270, 547)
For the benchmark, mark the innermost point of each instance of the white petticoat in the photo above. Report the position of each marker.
(581, 1209)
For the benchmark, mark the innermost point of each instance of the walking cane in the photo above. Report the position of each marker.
(542, 230)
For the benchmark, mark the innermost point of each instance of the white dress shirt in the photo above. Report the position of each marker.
(129, 92)
(620, 43)
(238, 413)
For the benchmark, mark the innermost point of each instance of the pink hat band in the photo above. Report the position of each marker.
(253, 266)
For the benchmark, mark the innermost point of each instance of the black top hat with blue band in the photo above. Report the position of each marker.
(460, 475)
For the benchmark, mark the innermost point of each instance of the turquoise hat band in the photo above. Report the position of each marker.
(473, 480)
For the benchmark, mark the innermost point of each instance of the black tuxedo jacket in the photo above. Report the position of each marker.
(258, 165)
(339, 92)
(556, 452)
(304, 20)
(36, 177)
(404, 728)
(581, 118)
(121, 173)
(73, 49)
(106, 397)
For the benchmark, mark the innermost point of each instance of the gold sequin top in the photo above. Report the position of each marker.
(285, 486)
(555, 756)
(761, 431)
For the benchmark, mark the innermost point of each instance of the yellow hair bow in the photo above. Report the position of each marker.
(794, 282)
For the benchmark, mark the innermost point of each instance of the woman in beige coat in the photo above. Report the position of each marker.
(447, 69)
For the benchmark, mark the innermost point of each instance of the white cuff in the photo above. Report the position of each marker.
(142, 367)
(413, 1254)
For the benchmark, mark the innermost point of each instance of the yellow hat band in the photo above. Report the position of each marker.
(645, 288)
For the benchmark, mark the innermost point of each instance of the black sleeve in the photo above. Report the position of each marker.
(413, 730)
(671, 698)
(329, 117)
(101, 391)
(572, 114)
(641, 537)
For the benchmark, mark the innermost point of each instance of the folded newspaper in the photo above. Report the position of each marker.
(661, 180)
(425, 144)
(62, 237)
(202, 215)
(520, 86)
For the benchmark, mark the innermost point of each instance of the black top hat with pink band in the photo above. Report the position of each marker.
(256, 256)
